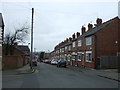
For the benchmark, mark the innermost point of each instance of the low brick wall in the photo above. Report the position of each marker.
(10, 62)
(109, 62)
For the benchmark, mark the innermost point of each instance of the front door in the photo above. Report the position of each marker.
(83, 60)
(75, 60)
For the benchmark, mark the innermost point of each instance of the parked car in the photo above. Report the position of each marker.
(61, 63)
(54, 62)
(47, 61)
(34, 62)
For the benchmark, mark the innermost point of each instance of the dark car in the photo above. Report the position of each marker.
(34, 62)
(61, 63)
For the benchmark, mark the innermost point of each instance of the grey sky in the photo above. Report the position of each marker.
(55, 21)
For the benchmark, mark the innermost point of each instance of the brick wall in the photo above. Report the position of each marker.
(12, 62)
(106, 40)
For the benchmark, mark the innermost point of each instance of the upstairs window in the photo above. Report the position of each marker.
(79, 42)
(65, 48)
(73, 44)
(69, 47)
(89, 41)
(62, 49)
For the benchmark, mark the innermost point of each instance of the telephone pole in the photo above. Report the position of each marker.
(32, 38)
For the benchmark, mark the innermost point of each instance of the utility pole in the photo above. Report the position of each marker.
(32, 38)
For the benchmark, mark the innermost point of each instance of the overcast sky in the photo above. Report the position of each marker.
(55, 21)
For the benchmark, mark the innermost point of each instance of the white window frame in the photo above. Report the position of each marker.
(69, 47)
(62, 49)
(73, 58)
(89, 40)
(73, 44)
(79, 42)
(65, 48)
(88, 52)
(78, 57)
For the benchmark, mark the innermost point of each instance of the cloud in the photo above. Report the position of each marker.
(54, 22)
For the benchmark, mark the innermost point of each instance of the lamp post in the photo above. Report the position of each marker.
(32, 39)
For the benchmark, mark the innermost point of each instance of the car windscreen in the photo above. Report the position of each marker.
(62, 61)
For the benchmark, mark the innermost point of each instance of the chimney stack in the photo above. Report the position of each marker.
(70, 39)
(78, 34)
(73, 36)
(99, 21)
(83, 29)
(90, 26)
(67, 40)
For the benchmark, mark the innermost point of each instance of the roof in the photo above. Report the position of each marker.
(91, 32)
(96, 29)
(23, 48)
(1, 20)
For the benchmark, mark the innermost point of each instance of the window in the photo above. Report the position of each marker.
(68, 58)
(79, 42)
(73, 57)
(65, 48)
(88, 56)
(69, 48)
(79, 57)
(88, 40)
(62, 49)
(73, 44)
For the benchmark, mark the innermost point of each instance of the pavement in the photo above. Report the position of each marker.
(23, 70)
(105, 73)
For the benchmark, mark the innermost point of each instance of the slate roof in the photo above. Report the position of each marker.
(96, 29)
(92, 31)
(1, 20)
(23, 48)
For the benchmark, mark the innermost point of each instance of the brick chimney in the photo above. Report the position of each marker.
(73, 36)
(99, 21)
(70, 39)
(83, 29)
(90, 26)
(66, 39)
(78, 34)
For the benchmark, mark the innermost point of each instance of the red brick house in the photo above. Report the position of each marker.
(101, 40)
(88, 48)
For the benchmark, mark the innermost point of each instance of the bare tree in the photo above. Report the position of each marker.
(19, 36)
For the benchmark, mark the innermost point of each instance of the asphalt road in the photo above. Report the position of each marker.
(50, 76)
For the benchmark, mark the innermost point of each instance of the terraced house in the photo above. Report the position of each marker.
(94, 48)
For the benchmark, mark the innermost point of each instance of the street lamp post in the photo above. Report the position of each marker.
(32, 39)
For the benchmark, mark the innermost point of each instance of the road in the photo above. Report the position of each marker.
(50, 76)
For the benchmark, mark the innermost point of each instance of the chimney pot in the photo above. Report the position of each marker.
(83, 29)
(78, 34)
(73, 36)
(70, 39)
(90, 26)
(99, 21)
